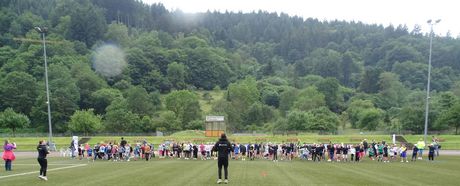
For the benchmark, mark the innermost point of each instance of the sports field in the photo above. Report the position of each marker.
(64, 171)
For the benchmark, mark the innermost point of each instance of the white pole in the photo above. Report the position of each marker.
(429, 77)
(48, 103)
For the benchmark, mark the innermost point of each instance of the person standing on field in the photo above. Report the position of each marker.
(431, 149)
(42, 153)
(365, 145)
(8, 154)
(420, 146)
(223, 147)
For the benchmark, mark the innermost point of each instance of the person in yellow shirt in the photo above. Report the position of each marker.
(420, 146)
(402, 152)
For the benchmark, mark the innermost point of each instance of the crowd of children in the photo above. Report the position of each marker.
(330, 152)
(113, 151)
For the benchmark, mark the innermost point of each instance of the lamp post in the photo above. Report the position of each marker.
(431, 23)
(43, 31)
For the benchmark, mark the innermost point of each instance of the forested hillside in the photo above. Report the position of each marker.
(124, 66)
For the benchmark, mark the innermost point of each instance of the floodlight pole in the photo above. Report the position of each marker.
(42, 31)
(427, 104)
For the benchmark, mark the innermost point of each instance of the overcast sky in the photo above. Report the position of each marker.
(409, 12)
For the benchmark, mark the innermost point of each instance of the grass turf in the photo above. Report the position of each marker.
(443, 171)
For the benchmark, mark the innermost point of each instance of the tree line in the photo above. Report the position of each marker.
(274, 71)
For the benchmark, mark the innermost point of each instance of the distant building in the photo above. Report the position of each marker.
(215, 126)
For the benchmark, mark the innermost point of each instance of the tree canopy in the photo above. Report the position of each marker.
(261, 70)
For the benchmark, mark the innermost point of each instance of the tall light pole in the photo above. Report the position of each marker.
(427, 104)
(43, 31)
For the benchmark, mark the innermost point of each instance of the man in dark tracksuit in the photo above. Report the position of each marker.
(224, 147)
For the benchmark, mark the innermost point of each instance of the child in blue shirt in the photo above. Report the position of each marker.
(237, 151)
(90, 154)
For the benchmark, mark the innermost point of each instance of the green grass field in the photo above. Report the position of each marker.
(443, 171)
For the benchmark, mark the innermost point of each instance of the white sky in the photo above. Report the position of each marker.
(409, 12)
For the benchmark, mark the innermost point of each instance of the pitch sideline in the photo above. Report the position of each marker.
(34, 172)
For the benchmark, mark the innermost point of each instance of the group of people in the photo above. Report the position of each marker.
(113, 151)
(380, 151)
(223, 150)
(125, 151)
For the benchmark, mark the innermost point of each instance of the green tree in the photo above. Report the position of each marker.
(85, 121)
(25, 22)
(138, 65)
(369, 81)
(19, 91)
(326, 63)
(323, 120)
(195, 125)
(392, 92)
(240, 96)
(287, 99)
(280, 125)
(102, 98)
(451, 118)
(117, 33)
(412, 75)
(185, 106)
(258, 114)
(245, 92)
(139, 101)
(119, 118)
(176, 75)
(298, 120)
(308, 99)
(355, 108)
(401, 53)
(370, 119)
(87, 23)
(446, 100)
(348, 67)
(330, 88)
(413, 119)
(64, 98)
(87, 82)
(271, 97)
(147, 124)
(12, 120)
(6, 53)
(155, 81)
(207, 68)
(168, 121)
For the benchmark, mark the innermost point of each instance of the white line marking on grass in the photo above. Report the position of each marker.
(48, 164)
(34, 172)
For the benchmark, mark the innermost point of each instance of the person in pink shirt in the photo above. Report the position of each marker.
(87, 147)
(8, 154)
(203, 152)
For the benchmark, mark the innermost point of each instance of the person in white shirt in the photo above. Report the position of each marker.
(352, 151)
(394, 152)
(207, 148)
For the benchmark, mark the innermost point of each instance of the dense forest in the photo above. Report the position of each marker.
(125, 66)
